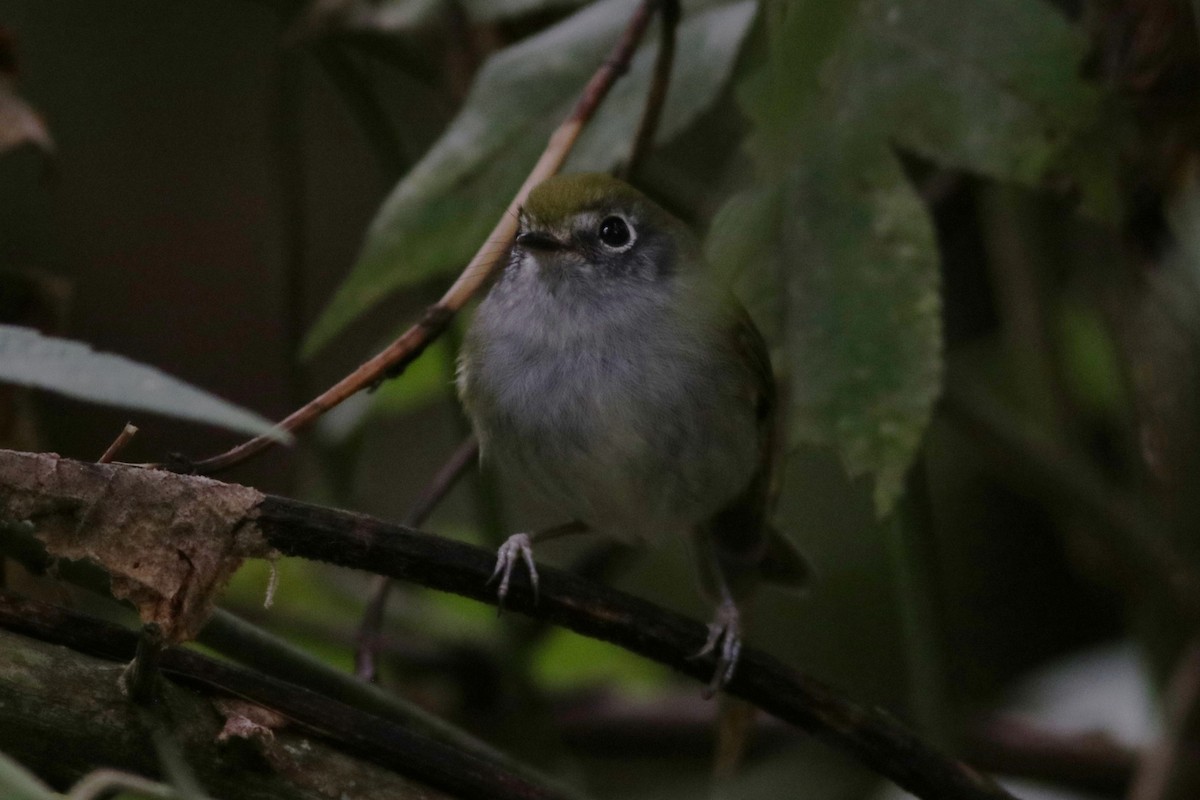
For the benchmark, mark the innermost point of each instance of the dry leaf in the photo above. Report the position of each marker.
(171, 542)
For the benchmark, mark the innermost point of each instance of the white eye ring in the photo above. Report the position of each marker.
(616, 233)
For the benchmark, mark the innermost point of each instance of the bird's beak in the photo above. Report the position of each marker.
(536, 240)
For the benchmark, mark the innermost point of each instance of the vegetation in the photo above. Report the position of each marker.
(967, 229)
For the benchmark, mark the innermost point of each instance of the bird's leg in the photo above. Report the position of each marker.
(519, 547)
(724, 640)
(718, 577)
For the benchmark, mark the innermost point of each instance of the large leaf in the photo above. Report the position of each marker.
(28, 358)
(986, 86)
(441, 212)
(854, 252)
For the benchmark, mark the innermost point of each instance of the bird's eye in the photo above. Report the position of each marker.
(615, 233)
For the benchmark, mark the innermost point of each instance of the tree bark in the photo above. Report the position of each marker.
(69, 499)
(62, 715)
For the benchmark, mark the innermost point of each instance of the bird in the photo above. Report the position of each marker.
(617, 381)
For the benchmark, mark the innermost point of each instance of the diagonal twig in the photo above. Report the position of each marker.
(366, 654)
(399, 354)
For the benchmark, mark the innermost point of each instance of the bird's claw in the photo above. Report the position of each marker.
(517, 547)
(725, 640)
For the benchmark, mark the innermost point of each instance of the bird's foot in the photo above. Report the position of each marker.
(724, 640)
(518, 547)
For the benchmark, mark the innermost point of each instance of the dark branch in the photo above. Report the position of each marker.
(364, 735)
(58, 491)
(868, 734)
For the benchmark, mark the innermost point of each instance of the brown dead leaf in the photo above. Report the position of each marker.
(245, 720)
(171, 542)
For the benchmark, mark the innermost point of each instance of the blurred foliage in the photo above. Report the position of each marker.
(440, 213)
(30, 359)
(969, 230)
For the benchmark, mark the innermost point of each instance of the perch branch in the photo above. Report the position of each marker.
(61, 493)
(261, 650)
(392, 360)
(870, 735)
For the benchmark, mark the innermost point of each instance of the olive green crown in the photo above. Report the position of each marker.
(556, 200)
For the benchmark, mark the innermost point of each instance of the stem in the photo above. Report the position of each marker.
(438, 487)
(656, 98)
(912, 544)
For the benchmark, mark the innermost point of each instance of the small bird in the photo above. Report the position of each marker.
(607, 373)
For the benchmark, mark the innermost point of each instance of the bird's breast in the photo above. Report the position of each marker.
(622, 426)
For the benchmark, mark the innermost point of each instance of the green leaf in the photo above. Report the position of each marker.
(991, 87)
(441, 212)
(985, 86)
(854, 251)
(18, 783)
(28, 358)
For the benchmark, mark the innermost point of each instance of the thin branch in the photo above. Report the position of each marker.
(364, 735)
(400, 353)
(366, 655)
(259, 649)
(656, 98)
(128, 432)
(140, 677)
(610, 726)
